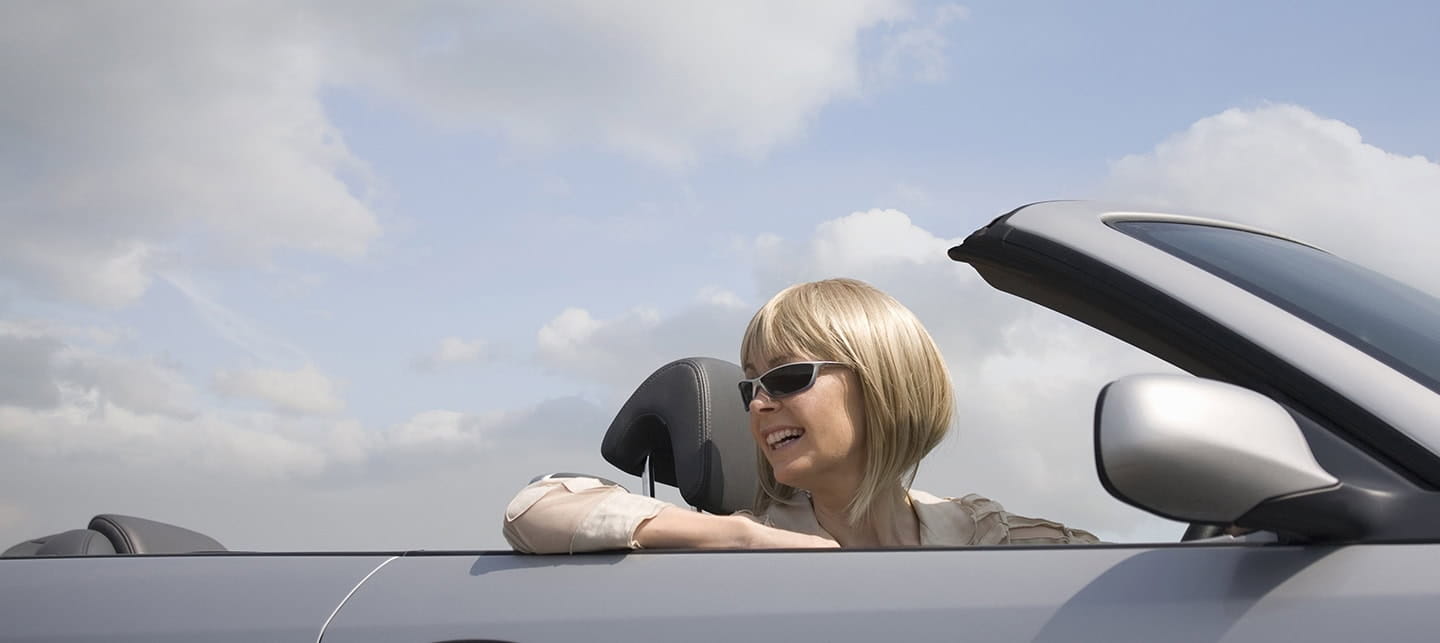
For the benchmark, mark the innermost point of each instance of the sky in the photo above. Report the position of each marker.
(345, 276)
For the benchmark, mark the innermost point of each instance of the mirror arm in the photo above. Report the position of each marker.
(1338, 514)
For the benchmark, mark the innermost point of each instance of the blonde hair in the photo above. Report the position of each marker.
(906, 387)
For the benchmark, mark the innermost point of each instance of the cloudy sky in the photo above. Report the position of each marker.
(323, 275)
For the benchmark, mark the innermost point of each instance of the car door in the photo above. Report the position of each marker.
(227, 597)
(1084, 593)
(1360, 415)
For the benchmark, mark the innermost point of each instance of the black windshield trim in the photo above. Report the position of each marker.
(1142, 230)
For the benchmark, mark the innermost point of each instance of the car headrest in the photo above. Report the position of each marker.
(76, 542)
(687, 417)
(132, 535)
(116, 534)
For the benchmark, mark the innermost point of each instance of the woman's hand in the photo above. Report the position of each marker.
(675, 528)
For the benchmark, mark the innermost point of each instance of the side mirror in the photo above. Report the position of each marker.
(1198, 450)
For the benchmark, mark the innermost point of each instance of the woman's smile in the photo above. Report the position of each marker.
(782, 437)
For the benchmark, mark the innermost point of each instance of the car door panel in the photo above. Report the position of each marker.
(1087, 593)
(162, 599)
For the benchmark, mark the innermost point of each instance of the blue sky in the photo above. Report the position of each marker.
(289, 256)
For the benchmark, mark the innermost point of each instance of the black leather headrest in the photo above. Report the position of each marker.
(76, 542)
(140, 536)
(116, 534)
(688, 418)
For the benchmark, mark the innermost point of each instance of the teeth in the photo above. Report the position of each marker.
(777, 437)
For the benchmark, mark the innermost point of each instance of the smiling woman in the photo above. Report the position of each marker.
(846, 393)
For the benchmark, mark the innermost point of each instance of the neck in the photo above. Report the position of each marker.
(890, 522)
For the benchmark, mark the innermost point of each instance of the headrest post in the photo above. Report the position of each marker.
(649, 477)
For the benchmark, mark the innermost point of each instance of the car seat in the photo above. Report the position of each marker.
(116, 534)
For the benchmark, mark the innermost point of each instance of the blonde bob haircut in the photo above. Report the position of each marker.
(906, 387)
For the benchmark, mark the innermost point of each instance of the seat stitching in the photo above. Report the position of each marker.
(703, 429)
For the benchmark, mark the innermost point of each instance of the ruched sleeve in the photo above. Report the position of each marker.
(977, 520)
(995, 526)
(570, 515)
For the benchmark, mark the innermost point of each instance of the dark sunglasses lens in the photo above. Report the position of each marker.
(747, 393)
(789, 379)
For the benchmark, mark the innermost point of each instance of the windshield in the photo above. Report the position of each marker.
(1389, 320)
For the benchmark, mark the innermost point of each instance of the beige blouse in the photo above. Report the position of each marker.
(573, 515)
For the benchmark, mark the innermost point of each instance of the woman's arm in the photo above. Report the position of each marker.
(676, 528)
(570, 515)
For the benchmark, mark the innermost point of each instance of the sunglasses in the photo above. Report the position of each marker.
(785, 379)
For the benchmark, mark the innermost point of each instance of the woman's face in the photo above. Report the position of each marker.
(814, 439)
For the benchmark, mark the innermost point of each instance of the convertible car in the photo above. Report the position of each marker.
(1309, 421)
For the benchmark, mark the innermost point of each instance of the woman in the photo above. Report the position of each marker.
(847, 393)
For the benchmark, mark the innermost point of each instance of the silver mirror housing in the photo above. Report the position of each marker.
(1199, 450)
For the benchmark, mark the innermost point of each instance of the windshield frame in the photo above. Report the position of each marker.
(1325, 309)
(1062, 255)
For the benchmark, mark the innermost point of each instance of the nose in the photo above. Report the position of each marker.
(762, 401)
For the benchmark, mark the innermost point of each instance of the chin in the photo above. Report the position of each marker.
(789, 475)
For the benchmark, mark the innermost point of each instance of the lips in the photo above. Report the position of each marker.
(781, 437)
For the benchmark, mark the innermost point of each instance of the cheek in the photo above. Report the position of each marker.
(855, 416)
(855, 426)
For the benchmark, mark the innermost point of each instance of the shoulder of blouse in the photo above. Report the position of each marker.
(973, 519)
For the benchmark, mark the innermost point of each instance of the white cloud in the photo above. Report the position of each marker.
(325, 479)
(331, 484)
(231, 326)
(660, 81)
(165, 134)
(94, 335)
(1285, 168)
(875, 242)
(439, 427)
(88, 426)
(99, 272)
(143, 386)
(919, 48)
(621, 352)
(156, 134)
(873, 238)
(305, 390)
(454, 350)
(571, 328)
(719, 297)
(885, 248)
(27, 378)
(40, 366)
